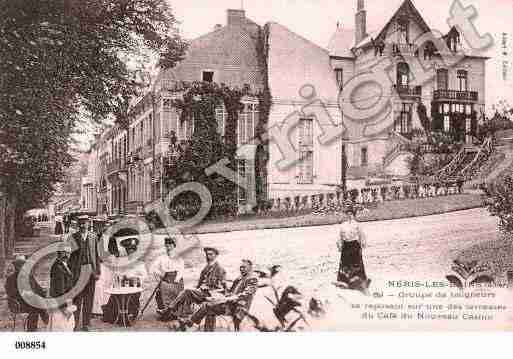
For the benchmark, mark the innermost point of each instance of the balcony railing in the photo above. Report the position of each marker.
(115, 166)
(409, 91)
(455, 95)
(395, 49)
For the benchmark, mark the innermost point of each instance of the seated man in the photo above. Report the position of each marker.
(212, 279)
(168, 270)
(16, 294)
(236, 302)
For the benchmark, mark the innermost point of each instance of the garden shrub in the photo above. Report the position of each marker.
(500, 203)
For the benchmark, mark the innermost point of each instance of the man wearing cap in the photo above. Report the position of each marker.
(236, 301)
(61, 276)
(85, 255)
(212, 279)
(168, 271)
(16, 295)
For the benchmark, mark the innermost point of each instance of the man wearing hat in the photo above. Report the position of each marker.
(212, 279)
(15, 294)
(168, 271)
(236, 302)
(61, 277)
(86, 254)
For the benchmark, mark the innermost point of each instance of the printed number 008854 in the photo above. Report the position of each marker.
(26, 345)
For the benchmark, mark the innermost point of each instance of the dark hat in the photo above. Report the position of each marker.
(18, 262)
(212, 249)
(170, 240)
(129, 242)
(83, 218)
(126, 232)
(349, 207)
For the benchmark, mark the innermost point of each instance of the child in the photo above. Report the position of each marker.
(61, 319)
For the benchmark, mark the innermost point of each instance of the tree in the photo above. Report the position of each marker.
(206, 146)
(500, 202)
(62, 61)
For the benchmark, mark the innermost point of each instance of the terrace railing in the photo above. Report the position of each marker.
(455, 95)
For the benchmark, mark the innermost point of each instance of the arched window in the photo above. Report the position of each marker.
(403, 75)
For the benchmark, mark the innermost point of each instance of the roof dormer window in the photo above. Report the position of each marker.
(402, 30)
(207, 76)
(339, 75)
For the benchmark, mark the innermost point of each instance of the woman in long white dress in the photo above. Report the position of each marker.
(101, 297)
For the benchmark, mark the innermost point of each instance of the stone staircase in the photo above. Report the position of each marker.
(503, 150)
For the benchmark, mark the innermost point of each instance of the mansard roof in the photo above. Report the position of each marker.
(231, 51)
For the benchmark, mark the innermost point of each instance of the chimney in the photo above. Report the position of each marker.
(236, 17)
(360, 21)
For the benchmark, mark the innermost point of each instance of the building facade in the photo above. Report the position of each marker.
(321, 129)
(431, 82)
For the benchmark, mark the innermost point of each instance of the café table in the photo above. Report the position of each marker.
(121, 297)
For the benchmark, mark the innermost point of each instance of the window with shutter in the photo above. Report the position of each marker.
(241, 168)
(221, 117)
(247, 122)
(305, 166)
(447, 123)
(463, 80)
(364, 157)
(442, 79)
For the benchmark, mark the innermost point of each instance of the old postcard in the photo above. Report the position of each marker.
(228, 166)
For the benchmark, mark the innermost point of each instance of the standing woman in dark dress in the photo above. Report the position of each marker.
(351, 273)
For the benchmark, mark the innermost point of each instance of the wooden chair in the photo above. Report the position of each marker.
(15, 311)
(210, 322)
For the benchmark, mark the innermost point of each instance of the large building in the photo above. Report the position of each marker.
(321, 97)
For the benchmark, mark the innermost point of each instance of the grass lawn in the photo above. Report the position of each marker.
(384, 211)
(497, 253)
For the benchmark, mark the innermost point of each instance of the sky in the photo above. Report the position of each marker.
(316, 20)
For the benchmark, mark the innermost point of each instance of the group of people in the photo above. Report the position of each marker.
(63, 223)
(73, 256)
(78, 261)
(211, 295)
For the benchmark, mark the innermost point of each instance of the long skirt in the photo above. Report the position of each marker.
(58, 228)
(101, 297)
(61, 322)
(111, 310)
(351, 268)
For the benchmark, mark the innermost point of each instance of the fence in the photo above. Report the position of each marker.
(368, 197)
(333, 202)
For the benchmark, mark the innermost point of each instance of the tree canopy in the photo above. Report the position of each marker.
(61, 61)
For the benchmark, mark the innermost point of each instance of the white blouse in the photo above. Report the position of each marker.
(164, 264)
(351, 231)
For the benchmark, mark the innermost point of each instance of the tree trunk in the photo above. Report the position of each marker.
(11, 229)
(7, 230)
(3, 204)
